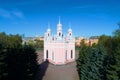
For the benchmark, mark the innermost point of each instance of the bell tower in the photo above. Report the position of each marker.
(59, 28)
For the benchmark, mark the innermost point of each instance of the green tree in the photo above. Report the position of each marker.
(117, 32)
(107, 43)
(119, 24)
(112, 66)
(102, 62)
(3, 65)
(17, 61)
(39, 44)
(31, 43)
(90, 66)
(116, 42)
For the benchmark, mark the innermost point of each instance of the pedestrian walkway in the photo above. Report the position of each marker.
(58, 72)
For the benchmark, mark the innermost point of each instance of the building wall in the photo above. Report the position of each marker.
(59, 53)
(87, 41)
(59, 46)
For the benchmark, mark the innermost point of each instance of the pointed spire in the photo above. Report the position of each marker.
(48, 25)
(59, 25)
(59, 19)
(69, 30)
(70, 25)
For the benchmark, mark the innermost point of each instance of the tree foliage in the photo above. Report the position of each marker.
(39, 44)
(91, 65)
(17, 61)
(102, 61)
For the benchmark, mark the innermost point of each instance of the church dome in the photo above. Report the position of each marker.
(69, 30)
(48, 30)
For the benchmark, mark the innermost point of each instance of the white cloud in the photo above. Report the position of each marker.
(4, 13)
(11, 14)
(18, 14)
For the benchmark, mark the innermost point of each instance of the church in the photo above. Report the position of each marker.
(59, 49)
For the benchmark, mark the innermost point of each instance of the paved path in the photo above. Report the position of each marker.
(49, 71)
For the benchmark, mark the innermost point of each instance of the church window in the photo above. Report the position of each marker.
(52, 55)
(48, 34)
(66, 55)
(71, 53)
(59, 33)
(46, 54)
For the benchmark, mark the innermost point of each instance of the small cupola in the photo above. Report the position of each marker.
(48, 30)
(70, 30)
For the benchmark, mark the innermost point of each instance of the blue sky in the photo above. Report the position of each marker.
(87, 17)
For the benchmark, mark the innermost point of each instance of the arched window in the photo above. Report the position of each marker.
(59, 33)
(52, 55)
(66, 55)
(48, 34)
(62, 35)
(71, 53)
(46, 54)
(52, 38)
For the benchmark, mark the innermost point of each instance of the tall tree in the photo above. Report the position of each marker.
(17, 61)
(90, 66)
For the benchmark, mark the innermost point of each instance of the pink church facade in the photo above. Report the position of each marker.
(59, 49)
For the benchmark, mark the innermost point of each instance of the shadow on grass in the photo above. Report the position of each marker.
(42, 69)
